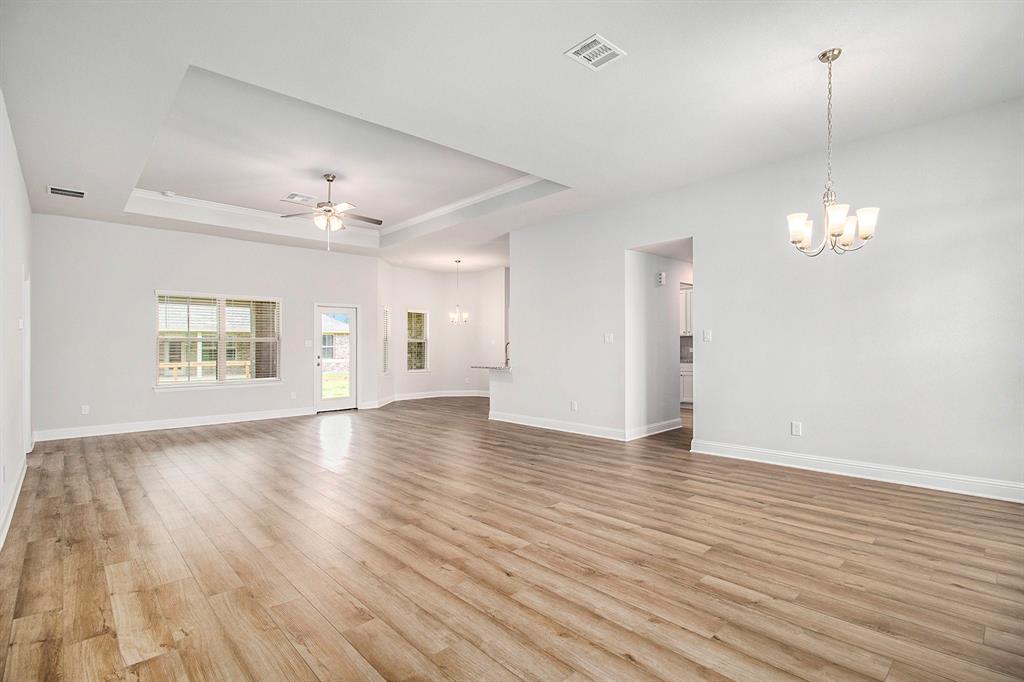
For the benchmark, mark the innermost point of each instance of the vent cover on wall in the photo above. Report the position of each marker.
(63, 192)
(297, 198)
(595, 52)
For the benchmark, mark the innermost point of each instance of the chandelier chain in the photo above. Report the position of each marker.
(828, 141)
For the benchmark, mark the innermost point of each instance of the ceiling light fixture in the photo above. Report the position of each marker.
(328, 214)
(842, 232)
(459, 316)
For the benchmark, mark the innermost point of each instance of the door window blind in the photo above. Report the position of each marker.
(386, 341)
(211, 339)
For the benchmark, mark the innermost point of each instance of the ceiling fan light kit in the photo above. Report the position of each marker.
(328, 215)
(842, 232)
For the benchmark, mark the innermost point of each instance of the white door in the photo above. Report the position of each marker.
(335, 346)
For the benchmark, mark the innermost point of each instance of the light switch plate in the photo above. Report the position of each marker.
(309, 343)
(609, 337)
(707, 336)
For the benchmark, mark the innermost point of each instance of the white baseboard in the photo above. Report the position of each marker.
(651, 429)
(159, 424)
(5, 525)
(441, 394)
(587, 429)
(372, 405)
(558, 425)
(1012, 491)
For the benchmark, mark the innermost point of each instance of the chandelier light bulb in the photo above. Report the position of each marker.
(335, 223)
(866, 219)
(849, 232)
(837, 218)
(796, 227)
(320, 221)
(805, 239)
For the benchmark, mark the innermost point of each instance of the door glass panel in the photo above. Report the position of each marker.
(335, 354)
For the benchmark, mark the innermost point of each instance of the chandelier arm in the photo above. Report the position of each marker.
(843, 249)
(815, 251)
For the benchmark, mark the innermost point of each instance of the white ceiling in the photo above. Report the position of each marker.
(232, 143)
(707, 88)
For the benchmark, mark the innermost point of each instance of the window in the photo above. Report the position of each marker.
(209, 339)
(386, 340)
(416, 358)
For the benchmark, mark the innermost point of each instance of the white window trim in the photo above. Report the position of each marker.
(425, 339)
(237, 383)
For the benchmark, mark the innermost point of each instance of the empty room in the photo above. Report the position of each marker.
(482, 341)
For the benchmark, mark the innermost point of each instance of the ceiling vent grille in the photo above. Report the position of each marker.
(297, 198)
(595, 52)
(64, 192)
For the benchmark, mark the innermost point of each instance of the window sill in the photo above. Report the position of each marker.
(417, 371)
(171, 388)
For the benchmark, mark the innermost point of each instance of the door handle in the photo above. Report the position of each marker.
(318, 361)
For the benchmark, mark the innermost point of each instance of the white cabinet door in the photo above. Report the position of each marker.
(682, 313)
(685, 312)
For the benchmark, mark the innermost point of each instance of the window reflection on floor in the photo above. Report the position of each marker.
(335, 434)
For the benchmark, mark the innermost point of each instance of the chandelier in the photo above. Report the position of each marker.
(459, 316)
(842, 232)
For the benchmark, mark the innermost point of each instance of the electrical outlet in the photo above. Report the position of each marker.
(293, 395)
(467, 380)
(574, 406)
(85, 409)
(796, 428)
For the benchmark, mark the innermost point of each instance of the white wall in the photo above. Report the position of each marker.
(15, 223)
(651, 343)
(900, 359)
(452, 348)
(94, 343)
(94, 312)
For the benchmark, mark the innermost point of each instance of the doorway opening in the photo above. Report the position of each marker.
(335, 340)
(659, 321)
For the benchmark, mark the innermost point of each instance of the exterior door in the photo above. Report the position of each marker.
(335, 346)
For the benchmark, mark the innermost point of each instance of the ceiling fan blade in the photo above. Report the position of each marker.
(296, 215)
(363, 219)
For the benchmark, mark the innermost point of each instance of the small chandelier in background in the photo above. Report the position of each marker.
(459, 316)
(842, 232)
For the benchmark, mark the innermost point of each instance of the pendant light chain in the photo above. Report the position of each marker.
(828, 143)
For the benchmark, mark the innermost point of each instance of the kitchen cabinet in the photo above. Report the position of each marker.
(686, 312)
(686, 383)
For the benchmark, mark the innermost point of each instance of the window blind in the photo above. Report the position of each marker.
(210, 339)
(386, 340)
(416, 356)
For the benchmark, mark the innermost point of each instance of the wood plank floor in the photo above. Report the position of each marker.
(421, 541)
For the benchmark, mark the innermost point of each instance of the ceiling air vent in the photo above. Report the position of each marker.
(297, 198)
(595, 52)
(64, 192)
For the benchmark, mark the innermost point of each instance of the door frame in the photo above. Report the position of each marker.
(356, 384)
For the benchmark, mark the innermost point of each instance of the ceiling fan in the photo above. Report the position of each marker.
(329, 214)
